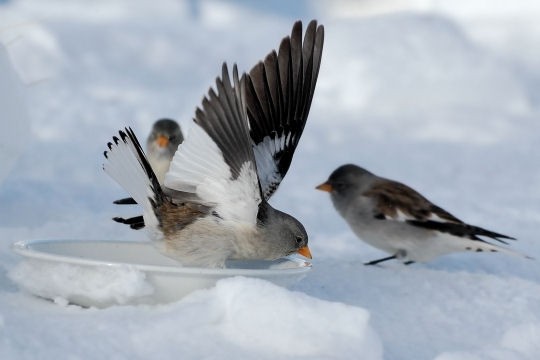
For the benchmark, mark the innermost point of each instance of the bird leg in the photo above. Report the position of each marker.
(375, 262)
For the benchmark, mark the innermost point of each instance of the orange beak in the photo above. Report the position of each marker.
(162, 141)
(305, 252)
(325, 187)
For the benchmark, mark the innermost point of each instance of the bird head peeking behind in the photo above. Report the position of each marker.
(161, 145)
(164, 138)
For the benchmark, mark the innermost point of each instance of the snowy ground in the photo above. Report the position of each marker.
(441, 95)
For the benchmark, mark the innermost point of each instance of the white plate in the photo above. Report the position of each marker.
(104, 273)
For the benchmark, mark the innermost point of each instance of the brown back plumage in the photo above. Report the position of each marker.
(174, 217)
(392, 196)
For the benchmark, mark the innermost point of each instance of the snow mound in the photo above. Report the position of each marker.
(239, 318)
(36, 54)
(292, 323)
(71, 283)
(278, 323)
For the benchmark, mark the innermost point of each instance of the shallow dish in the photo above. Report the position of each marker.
(104, 273)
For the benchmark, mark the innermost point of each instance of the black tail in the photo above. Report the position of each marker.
(461, 229)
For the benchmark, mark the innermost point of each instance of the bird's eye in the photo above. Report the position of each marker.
(299, 239)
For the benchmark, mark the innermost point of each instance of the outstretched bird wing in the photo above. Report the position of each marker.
(279, 91)
(215, 162)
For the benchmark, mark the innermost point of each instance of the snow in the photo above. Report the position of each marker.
(13, 110)
(518, 342)
(440, 95)
(239, 318)
(104, 286)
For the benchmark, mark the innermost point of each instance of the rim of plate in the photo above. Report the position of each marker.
(24, 248)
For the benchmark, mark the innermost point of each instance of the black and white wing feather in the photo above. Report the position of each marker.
(394, 201)
(279, 91)
(216, 162)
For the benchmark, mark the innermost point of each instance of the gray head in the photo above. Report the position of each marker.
(346, 180)
(164, 138)
(283, 234)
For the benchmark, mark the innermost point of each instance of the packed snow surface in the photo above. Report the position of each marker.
(441, 95)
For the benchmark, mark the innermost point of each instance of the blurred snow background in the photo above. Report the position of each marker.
(442, 95)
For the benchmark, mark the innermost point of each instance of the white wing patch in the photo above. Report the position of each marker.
(266, 164)
(434, 217)
(198, 167)
(403, 217)
(196, 159)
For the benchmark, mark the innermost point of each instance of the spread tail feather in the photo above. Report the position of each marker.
(127, 164)
(136, 222)
(125, 201)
